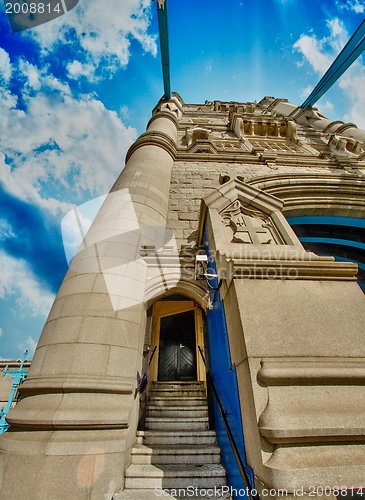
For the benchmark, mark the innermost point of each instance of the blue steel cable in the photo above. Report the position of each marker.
(354, 47)
(327, 83)
(164, 45)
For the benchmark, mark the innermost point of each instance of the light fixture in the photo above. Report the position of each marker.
(201, 272)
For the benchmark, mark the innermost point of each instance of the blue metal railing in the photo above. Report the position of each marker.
(223, 413)
(17, 376)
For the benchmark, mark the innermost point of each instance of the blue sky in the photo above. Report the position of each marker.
(76, 92)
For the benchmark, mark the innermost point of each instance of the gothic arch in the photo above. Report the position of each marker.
(316, 194)
(185, 287)
(326, 212)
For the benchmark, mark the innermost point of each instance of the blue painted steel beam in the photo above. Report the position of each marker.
(332, 220)
(332, 241)
(352, 50)
(225, 380)
(162, 15)
(343, 259)
(338, 244)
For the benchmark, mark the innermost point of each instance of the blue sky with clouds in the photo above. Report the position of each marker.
(77, 91)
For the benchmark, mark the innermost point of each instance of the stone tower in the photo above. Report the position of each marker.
(221, 179)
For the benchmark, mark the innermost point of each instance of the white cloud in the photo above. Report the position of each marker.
(75, 69)
(22, 183)
(59, 143)
(31, 73)
(53, 141)
(305, 92)
(5, 66)
(18, 281)
(328, 105)
(30, 345)
(320, 53)
(337, 29)
(103, 31)
(353, 85)
(312, 49)
(6, 231)
(355, 5)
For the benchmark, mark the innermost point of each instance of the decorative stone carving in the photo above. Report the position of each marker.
(195, 134)
(337, 145)
(248, 225)
(343, 146)
(268, 134)
(292, 131)
(172, 106)
(276, 145)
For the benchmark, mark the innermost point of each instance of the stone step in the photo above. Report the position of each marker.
(177, 411)
(177, 456)
(177, 437)
(222, 493)
(182, 454)
(188, 423)
(178, 401)
(177, 393)
(146, 494)
(177, 384)
(175, 476)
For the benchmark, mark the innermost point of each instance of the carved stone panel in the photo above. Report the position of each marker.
(249, 226)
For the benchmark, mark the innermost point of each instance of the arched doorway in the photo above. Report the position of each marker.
(177, 334)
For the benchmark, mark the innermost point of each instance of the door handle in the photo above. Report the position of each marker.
(182, 345)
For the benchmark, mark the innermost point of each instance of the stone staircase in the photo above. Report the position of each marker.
(176, 450)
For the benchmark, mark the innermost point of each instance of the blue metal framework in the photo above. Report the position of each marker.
(164, 45)
(341, 237)
(224, 377)
(352, 50)
(17, 376)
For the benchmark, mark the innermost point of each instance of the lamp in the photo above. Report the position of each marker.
(201, 271)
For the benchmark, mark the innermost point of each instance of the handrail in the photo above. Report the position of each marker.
(235, 450)
(153, 353)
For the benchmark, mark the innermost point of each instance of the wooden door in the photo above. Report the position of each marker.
(177, 350)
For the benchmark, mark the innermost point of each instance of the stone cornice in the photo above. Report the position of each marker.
(294, 270)
(261, 157)
(312, 371)
(85, 425)
(76, 383)
(164, 114)
(158, 139)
